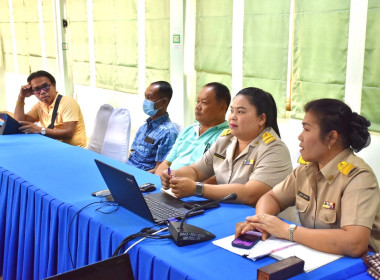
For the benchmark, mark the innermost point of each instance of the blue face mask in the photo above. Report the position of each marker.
(148, 107)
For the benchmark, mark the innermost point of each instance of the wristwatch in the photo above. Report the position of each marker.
(199, 189)
(43, 130)
(292, 228)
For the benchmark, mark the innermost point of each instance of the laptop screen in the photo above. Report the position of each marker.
(9, 126)
(126, 192)
(124, 189)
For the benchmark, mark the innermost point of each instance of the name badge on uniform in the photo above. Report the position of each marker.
(149, 140)
(219, 156)
(328, 205)
(304, 196)
(248, 162)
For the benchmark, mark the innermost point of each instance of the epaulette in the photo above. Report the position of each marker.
(226, 132)
(346, 168)
(302, 161)
(268, 138)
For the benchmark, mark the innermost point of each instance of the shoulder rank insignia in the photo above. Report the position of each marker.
(226, 132)
(302, 161)
(346, 168)
(268, 138)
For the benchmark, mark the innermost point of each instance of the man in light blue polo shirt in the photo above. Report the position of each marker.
(192, 142)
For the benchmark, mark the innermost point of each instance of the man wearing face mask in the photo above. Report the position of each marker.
(155, 138)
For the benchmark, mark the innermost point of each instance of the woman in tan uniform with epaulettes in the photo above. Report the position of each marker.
(336, 194)
(248, 159)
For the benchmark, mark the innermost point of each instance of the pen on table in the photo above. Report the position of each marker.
(270, 252)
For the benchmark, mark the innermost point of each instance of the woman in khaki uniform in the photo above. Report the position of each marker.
(336, 194)
(248, 159)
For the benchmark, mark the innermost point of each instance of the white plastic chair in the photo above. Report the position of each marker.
(177, 126)
(116, 140)
(101, 123)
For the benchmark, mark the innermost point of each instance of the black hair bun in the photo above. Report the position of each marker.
(360, 137)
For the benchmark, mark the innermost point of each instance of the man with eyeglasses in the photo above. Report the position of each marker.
(68, 125)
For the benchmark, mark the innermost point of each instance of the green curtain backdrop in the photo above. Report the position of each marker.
(6, 49)
(50, 38)
(157, 41)
(78, 41)
(319, 52)
(371, 75)
(27, 32)
(213, 44)
(265, 49)
(115, 36)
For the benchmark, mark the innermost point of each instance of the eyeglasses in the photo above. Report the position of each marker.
(44, 87)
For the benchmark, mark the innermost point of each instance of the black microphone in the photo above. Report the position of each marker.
(185, 234)
(231, 196)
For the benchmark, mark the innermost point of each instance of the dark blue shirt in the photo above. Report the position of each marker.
(152, 143)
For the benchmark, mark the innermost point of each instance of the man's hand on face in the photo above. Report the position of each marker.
(26, 91)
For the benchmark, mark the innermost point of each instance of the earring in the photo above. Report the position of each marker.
(329, 147)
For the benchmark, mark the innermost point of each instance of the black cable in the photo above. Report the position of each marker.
(133, 236)
(106, 203)
(145, 232)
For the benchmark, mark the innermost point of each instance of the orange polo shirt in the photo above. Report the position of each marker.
(68, 111)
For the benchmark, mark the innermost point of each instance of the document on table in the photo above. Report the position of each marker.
(169, 192)
(312, 258)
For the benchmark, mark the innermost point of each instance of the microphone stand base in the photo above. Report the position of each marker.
(189, 234)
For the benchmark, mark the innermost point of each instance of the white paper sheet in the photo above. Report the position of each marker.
(312, 258)
(169, 192)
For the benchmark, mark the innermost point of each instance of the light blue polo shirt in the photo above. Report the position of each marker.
(189, 146)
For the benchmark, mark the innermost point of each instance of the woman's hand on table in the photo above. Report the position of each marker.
(266, 224)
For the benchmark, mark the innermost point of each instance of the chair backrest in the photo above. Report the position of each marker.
(101, 122)
(116, 140)
(177, 126)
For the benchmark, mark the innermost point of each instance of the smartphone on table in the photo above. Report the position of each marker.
(247, 240)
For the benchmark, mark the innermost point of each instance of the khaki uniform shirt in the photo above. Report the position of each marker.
(68, 111)
(344, 192)
(265, 159)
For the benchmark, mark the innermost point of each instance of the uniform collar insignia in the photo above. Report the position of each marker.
(346, 168)
(268, 138)
(302, 161)
(226, 132)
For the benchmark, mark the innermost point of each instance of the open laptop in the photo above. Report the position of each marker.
(155, 207)
(115, 268)
(10, 125)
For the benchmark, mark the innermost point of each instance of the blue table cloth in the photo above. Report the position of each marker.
(45, 183)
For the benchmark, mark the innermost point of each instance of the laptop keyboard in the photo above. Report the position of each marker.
(161, 210)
